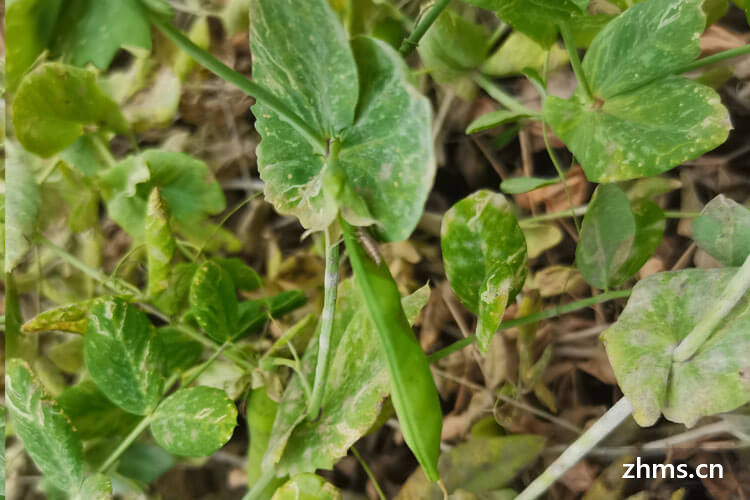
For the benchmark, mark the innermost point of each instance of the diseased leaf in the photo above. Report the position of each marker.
(616, 240)
(95, 487)
(353, 397)
(307, 487)
(123, 355)
(643, 119)
(540, 237)
(245, 278)
(160, 244)
(723, 230)
(194, 422)
(484, 252)
(45, 430)
(662, 311)
(213, 302)
(23, 201)
(92, 414)
(54, 102)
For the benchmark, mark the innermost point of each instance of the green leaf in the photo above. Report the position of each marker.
(160, 244)
(261, 413)
(615, 242)
(213, 302)
(3, 416)
(23, 201)
(185, 183)
(643, 120)
(307, 487)
(353, 397)
(495, 119)
(55, 102)
(484, 252)
(95, 487)
(540, 237)
(453, 47)
(122, 354)
(46, 431)
(145, 462)
(194, 422)
(179, 352)
(723, 230)
(253, 314)
(67, 355)
(518, 185)
(92, 414)
(80, 38)
(519, 52)
(480, 465)
(662, 311)
(538, 19)
(245, 278)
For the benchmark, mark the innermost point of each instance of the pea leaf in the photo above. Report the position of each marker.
(213, 302)
(179, 352)
(495, 119)
(122, 353)
(67, 318)
(662, 311)
(307, 487)
(261, 413)
(615, 242)
(643, 120)
(46, 431)
(194, 422)
(92, 414)
(519, 185)
(538, 19)
(484, 252)
(723, 230)
(519, 52)
(160, 244)
(145, 462)
(23, 201)
(185, 183)
(95, 487)
(54, 102)
(245, 278)
(253, 314)
(353, 397)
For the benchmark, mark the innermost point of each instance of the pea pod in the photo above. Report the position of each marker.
(413, 390)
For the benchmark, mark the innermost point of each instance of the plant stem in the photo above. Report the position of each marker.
(409, 44)
(721, 56)
(125, 444)
(575, 61)
(561, 175)
(601, 429)
(498, 94)
(582, 209)
(326, 325)
(369, 473)
(732, 294)
(261, 484)
(203, 367)
(532, 318)
(253, 89)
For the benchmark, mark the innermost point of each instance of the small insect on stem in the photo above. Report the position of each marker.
(369, 244)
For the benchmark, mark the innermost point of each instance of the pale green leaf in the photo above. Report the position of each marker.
(92, 414)
(261, 413)
(55, 102)
(662, 311)
(540, 237)
(23, 201)
(484, 252)
(123, 355)
(213, 302)
(160, 244)
(95, 487)
(45, 430)
(519, 52)
(67, 355)
(68, 318)
(723, 230)
(519, 185)
(194, 422)
(353, 396)
(307, 487)
(495, 119)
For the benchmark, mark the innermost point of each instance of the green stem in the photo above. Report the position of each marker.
(561, 175)
(261, 484)
(575, 61)
(498, 94)
(326, 324)
(721, 56)
(203, 367)
(533, 318)
(580, 447)
(260, 93)
(125, 444)
(409, 44)
(229, 354)
(369, 473)
(732, 294)
(501, 29)
(581, 210)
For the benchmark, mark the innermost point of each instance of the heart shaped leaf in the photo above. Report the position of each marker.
(194, 422)
(123, 355)
(643, 120)
(723, 230)
(662, 311)
(484, 252)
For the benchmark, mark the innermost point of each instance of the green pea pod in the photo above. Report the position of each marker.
(413, 390)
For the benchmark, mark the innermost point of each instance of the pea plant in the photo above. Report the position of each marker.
(118, 366)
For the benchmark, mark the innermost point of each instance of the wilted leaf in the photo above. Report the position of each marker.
(213, 302)
(540, 237)
(123, 355)
(662, 311)
(307, 487)
(194, 422)
(723, 230)
(160, 244)
(92, 414)
(46, 431)
(484, 252)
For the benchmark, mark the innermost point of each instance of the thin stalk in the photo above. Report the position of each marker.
(580, 447)
(411, 43)
(732, 294)
(501, 29)
(125, 444)
(498, 94)
(721, 56)
(575, 61)
(253, 89)
(369, 473)
(560, 174)
(198, 337)
(261, 484)
(326, 325)
(582, 209)
(203, 367)
(533, 318)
